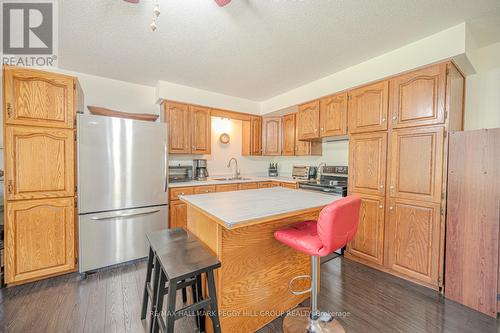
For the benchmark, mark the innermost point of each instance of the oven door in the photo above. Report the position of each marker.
(313, 188)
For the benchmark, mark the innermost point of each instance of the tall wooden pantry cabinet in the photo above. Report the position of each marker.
(40, 193)
(398, 131)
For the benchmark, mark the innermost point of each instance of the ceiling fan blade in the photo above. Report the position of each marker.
(222, 3)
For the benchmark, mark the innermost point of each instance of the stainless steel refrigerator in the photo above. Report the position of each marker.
(122, 185)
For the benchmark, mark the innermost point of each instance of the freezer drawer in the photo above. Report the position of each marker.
(119, 236)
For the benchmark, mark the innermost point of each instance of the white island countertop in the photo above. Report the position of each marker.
(243, 207)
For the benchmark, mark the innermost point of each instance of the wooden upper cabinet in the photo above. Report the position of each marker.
(39, 238)
(368, 107)
(288, 135)
(418, 98)
(271, 133)
(308, 121)
(200, 130)
(252, 137)
(179, 129)
(367, 163)
(38, 98)
(333, 115)
(39, 162)
(256, 130)
(416, 163)
(413, 239)
(368, 244)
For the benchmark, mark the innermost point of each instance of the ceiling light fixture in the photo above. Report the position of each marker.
(156, 13)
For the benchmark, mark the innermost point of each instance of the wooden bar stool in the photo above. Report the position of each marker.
(190, 260)
(337, 224)
(159, 242)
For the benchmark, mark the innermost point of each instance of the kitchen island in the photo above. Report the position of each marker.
(238, 227)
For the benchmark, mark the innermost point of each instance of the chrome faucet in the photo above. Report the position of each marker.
(237, 170)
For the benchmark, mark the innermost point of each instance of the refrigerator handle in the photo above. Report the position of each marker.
(166, 166)
(96, 218)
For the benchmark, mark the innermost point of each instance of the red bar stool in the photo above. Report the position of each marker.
(337, 224)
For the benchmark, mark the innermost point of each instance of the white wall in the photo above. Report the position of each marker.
(446, 44)
(334, 153)
(482, 101)
(116, 95)
(179, 93)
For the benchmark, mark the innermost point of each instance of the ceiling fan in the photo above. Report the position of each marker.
(156, 10)
(221, 3)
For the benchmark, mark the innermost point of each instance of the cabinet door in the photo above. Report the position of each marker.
(416, 159)
(308, 121)
(368, 244)
(368, 108)
(333, 115)
(272, 136)
(367, 163)
(256, 136)
(418, 98)
(200, 130)
(38, 98)
(179, 130)
(413, 239)
(39, 162)
(289, 135)
(178, 214)
(39, 238)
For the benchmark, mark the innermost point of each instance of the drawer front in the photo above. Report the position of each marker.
(227, 187)
(289, 185)
(204, 189)
(248, 186)
(176, 192)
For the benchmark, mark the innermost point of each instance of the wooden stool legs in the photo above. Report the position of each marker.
(209, 304)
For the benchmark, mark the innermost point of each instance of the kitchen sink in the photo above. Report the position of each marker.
(231, 179)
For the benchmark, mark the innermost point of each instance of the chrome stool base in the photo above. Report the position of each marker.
(298, 321)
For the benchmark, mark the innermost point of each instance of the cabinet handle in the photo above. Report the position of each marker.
(194, 147)
(392, 187)
(381, 206)
(394, 117)
(9, 186)
(9, 110)
(182, 193)
(390, 208)
(382, 186)
(383, 120)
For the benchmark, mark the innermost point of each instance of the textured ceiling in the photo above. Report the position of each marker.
(253, 49)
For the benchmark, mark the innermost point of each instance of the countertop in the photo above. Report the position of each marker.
(248, 179)
(242, 207)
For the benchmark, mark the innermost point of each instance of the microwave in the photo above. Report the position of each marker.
(301, 172)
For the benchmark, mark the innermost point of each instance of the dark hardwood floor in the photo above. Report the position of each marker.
(109, 301)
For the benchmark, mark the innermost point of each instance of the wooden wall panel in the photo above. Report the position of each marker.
(471, 275)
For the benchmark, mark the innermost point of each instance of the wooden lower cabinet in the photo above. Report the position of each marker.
(413, 237)
(226, 188)
(39, 239)
(268, 184)
(289, 185)
(204, 189)
(248, 186)
(368, 244)
(178, 214)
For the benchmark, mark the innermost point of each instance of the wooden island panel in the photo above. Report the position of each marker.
(252, 284)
